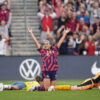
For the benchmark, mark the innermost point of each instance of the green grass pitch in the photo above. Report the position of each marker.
(93, 94)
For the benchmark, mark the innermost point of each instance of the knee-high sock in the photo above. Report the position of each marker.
(6, 87)
(39, 88)
(62, 87)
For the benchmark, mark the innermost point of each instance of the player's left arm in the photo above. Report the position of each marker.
(63, 37)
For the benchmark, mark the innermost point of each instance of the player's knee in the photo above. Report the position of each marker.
(53, 83)
(46, 82)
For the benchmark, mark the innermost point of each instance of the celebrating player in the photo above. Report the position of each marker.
(49, 57)
(86, 85)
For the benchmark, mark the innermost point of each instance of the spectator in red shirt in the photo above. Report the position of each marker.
(47, 17)
(59, 8)
(90, 45)
(73, 21)
(93, 27)
(4, 13)
(82, 27)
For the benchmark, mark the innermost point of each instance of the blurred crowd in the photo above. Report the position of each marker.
(81, 16)
(5, 21)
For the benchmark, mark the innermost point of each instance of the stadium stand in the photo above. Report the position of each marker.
(24, 14)
(5, 21)
(81, 16)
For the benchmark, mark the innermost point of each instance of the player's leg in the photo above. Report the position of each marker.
(97, 76)
(4, 87)
(59, 87)
(46, 79)
(96, 80)
(45, 84)
(53, 83)
(75, 88)
(9, 87)
(18, 86)
(52, 78)
(86, 85)
(62, 87)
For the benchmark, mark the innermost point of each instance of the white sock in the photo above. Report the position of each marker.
(6, 86)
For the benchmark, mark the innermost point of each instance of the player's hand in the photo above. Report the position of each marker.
(29, 30)
(66, 31)
(62, 27)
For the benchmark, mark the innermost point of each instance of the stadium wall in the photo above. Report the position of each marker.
(70, 67)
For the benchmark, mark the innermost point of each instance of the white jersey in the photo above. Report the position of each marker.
(3, 47)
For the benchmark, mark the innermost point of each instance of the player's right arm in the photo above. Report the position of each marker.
(65, 32)
(34, 38)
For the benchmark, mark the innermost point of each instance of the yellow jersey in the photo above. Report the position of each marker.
(30, 84)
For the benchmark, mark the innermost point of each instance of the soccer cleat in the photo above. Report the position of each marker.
(1, 87)
(99, 87)
(51, 88)
(32, 88)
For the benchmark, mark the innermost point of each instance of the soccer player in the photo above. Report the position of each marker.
(93, 82)
(23, 85)
(88, 83)
(49, 57)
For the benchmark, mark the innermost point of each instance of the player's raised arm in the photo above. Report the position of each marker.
(33, 37)
(63, 37)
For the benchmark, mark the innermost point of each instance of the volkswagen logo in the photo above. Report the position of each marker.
(29, 68)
